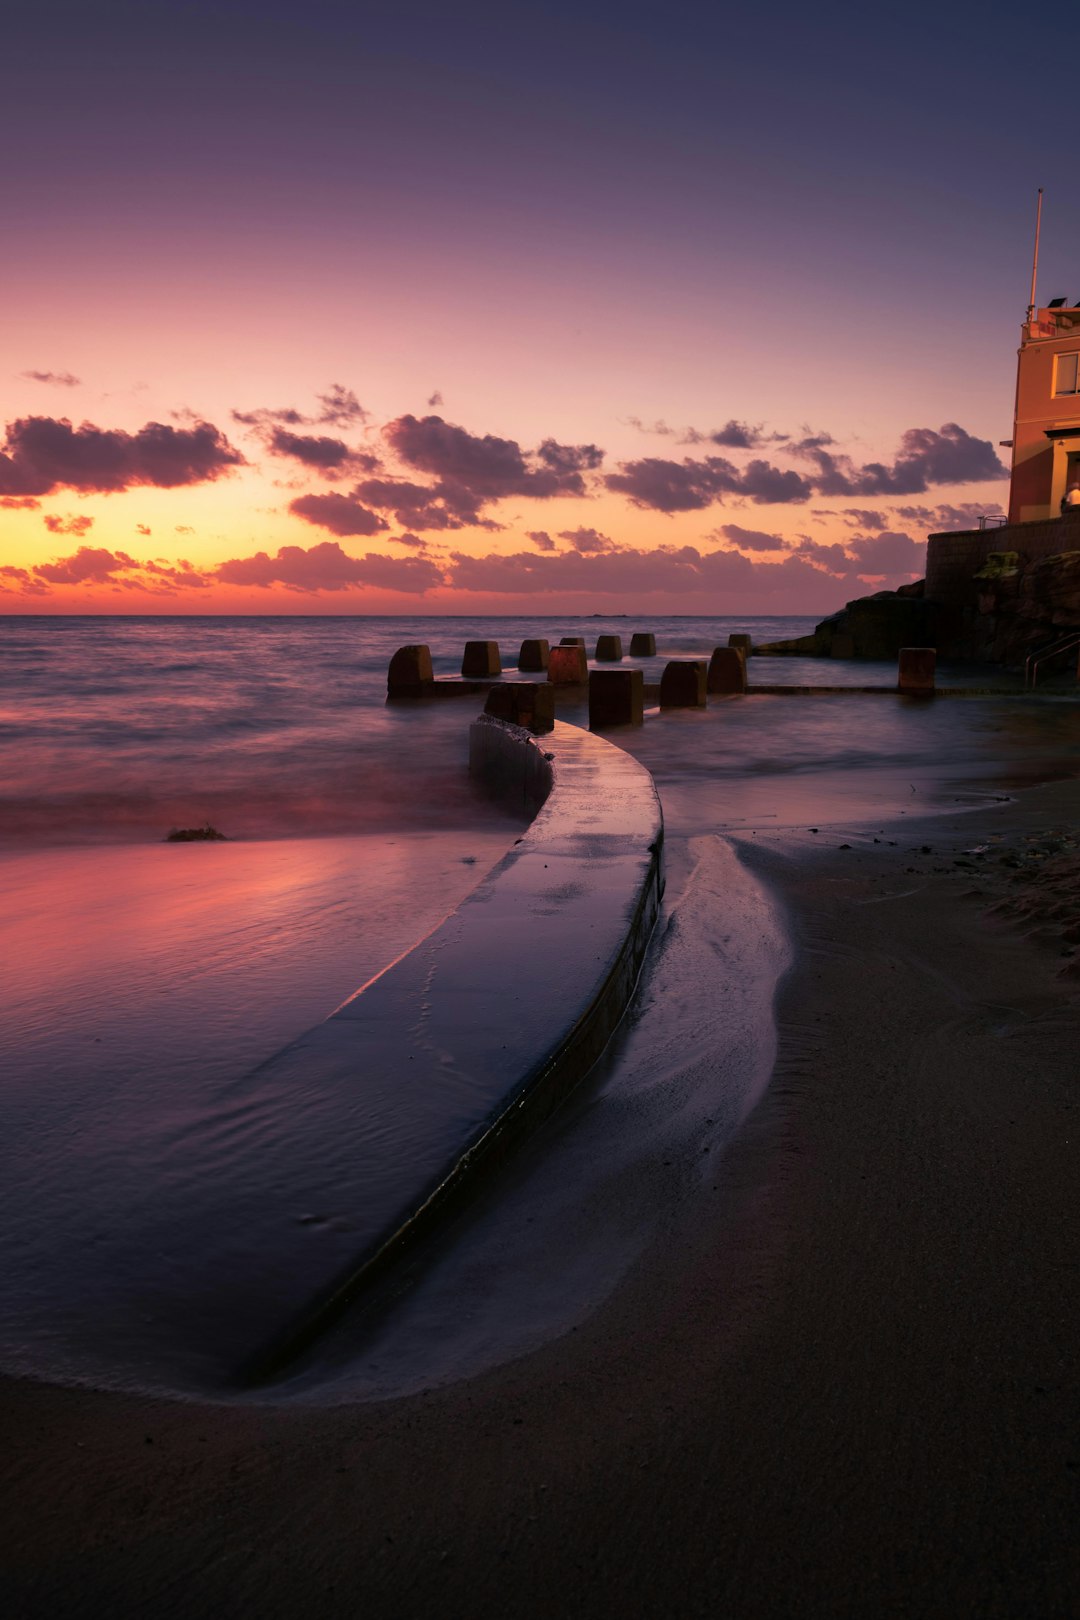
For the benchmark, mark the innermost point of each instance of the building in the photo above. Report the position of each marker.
(1043, 520)
(1046, 428)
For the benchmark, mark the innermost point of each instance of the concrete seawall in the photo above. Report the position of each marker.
(429, 1073)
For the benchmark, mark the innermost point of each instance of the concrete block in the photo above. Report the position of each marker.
(572, 641)
(609, 649)
(616, 698)
(481, 658)
(568, 666)
(410, 673)
(682, 685)
(533, 655)
(744, 643)
(727, 670)
(642, 644)
(916, 669)
(524, 703)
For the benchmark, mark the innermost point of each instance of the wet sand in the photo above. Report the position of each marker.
(842, 1381)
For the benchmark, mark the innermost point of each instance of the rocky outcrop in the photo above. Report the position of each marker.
(1022, 610)
(870, 627)
(1020, 607)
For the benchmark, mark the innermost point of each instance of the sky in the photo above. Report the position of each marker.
(495, 308)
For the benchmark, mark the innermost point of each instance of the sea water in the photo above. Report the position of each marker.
(144, 980)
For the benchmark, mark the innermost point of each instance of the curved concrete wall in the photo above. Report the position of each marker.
(426, 1075)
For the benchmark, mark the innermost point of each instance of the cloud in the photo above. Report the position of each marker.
(20, 581)
(68, 525)
(54, 379)
(541, 539)
(588, 540)
(435, 401)
(735, 435)
(424, 506)
(861, 517)
(751, 539)
(659, 427)
(665, 570)
(313, 449)
(142, 528)
(472, 469)
(326, 567)
(945, 516)
(948, 455)
(184, 528)
(413, 540)
(688, 485)
(183, 575)
(90, 565)
(45, 453)
(340, 407)
(12, 503)
(889, 554)
(341, 514)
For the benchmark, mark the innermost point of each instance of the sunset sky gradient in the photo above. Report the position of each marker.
(498, 308)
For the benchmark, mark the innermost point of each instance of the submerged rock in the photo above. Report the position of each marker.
(196, 835)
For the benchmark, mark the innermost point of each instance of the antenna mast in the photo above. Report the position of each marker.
(1035, 256)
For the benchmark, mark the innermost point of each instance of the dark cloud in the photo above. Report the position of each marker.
(541, 539)
(44, 453)
(477, 468)
(90, 565)
(687, 486)
(326, 567)
(423, 506)
(751, 539)
(266, 419)
(313, 449)
(964, 516)
(949, 455)
(21, 581)
(68, 525)
(413, 540)
(665, 570)
(861, 517)
(54, 379)
(341, 514)
(340, 407)
(889, 553)
(588, 540)
(435, 401)
(176, 576)
(735, 435)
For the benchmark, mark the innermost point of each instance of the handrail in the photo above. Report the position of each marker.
(1033, 660)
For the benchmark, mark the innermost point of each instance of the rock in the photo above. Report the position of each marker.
(870, 627)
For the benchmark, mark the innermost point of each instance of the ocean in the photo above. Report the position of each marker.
(145, 981)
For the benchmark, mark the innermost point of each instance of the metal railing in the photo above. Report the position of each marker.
(1054, 650)
(988, 522)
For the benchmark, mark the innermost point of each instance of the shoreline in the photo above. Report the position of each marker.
(841, 1382)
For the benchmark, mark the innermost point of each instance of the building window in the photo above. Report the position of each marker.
(1066, 378)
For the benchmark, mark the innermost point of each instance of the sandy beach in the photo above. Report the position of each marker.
(841, 1380)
